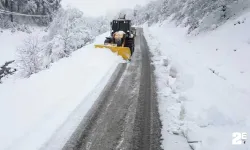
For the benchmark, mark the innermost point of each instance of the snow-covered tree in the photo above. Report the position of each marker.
(30, 57)
(29, 7)
(197, 15)
(71, 30)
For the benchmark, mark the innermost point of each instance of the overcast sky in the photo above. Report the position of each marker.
(102, 7)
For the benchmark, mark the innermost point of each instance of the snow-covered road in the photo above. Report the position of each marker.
(125, 115)
(72, 103)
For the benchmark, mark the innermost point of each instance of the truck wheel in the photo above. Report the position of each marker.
(130, 44)
(107, 41)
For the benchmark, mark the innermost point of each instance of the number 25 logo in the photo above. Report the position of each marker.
(239, 138)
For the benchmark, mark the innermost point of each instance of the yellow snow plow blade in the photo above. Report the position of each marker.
(122, 51)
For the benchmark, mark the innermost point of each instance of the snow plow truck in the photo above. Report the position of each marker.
(121, 39)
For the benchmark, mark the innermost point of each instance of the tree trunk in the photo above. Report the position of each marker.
(6, 4)
(11, 9)
(44, 8)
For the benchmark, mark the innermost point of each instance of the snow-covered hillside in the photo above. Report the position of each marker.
(204, 84)
(9, 43)
(33, 110)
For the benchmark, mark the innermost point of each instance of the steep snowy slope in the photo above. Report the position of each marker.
(34, 109)
(204, 84)
(9, 43)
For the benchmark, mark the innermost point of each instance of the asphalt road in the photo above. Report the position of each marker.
(125, 116)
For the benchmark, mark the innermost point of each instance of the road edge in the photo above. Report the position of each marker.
(92, 114)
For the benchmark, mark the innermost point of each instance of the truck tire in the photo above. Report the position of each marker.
(107, 40)
(130, 44)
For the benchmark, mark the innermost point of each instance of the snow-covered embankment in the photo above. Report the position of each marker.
(53, 102)
(204, 84)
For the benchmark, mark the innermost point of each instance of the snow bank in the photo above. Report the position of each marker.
(204, 84)
(33, 110)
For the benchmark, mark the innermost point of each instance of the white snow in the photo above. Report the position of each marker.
(48, 106)
(9, 43)
(204, 84)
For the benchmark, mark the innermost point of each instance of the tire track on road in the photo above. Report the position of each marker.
(125, 116)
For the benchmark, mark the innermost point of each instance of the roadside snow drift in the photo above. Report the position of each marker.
(204, 84)
(35, 109)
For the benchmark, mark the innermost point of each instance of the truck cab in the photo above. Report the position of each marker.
(121, 25)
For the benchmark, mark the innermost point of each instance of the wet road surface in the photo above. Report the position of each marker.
(125, 116)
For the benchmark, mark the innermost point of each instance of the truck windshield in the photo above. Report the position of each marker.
(123, 26)
(120, 26)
